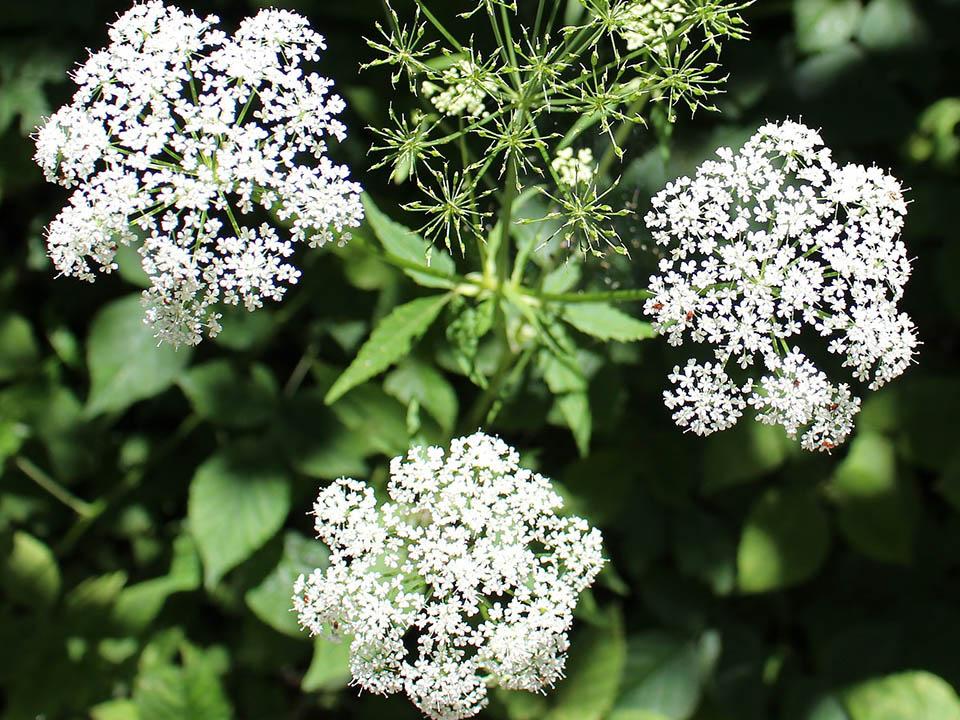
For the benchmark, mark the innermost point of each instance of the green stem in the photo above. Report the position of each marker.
(615, 296)
(439, 26)
(80, 507)
(477, 416)
(620, 138)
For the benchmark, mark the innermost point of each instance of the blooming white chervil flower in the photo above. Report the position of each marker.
(465, 86)
(465, 579)
(176, 132)
(572, 170)
(767, 247)
(646, 23)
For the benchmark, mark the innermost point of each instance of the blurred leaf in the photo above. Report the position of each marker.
(937, 139)
(330, 667)
(115, 710)
(239, 498)
(906, 696)
(23, 74)
(192, 692)
(408, 245)
(390, 341)
(665, 675)
(594, 671)
(29, 573)
(271, 600)
(18, 348)
(784, 542)
(316, 442)
(563, 278)
(891, 25)
(705, 550)
(606, 322)
(743, 454)
(221, 393)
(875, 510)
(822, 24)
(89, 605)
(243, 330)
(125, 363)
(575, 408)
(415, 380)
(138, 605)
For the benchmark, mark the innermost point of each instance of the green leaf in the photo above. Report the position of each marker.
(138, 605)
(563, 278)
(905, 696)
(89, 606)
(220, 392)
(115, 710)
(18, 348)
(891, 25)
(575, 408)
(271, 599)
(876, 510)
(822, 24)
(784, 542)
(705, 550)
(238, 500)
(665, 675)
(316, 443)
(390, 341)
(741, 455)
(408, 245)
(181, 693)
(29, 573)
(330, 667)
(605, 322)
(594, 671)
(125, 363)
(415, 380)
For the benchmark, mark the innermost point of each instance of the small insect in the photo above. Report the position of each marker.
(658, 306)
(690, 315)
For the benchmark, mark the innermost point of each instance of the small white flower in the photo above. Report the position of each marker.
(465, 579)
(769, 246)
(179, 131)
(646, 23)
(463, 91)
(573, 170)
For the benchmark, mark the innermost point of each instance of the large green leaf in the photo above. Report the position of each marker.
(784, 542)
(665, 675)
(822, 24)
(18, 348)
(330, 667)
(192, 692)
(390, 341)
(238, 500)
(271, 599)
(905, 696)
(410, 246)
(890, 25)
(876, 509)
(417, 381)
(125, 363)
(595, 669)
(28, 571)
(223, 393)
(605, 322)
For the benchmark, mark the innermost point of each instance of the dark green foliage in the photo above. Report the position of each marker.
(153, 503)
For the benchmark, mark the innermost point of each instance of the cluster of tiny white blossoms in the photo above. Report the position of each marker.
(764, 244)
(646, 23)
(467, 578)
(464, 89)
(176, 132)
(573, 170)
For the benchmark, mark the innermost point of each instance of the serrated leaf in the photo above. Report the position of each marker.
(125, 363)
(605, 322)
(594, 672)
(875, 508)
(271, 599)
(784, 542)
(905, 696)
(389, 342)
(222, 393)
(415, 380)
(822, 24)
(409, 245)
(29, 573)
(238, 500)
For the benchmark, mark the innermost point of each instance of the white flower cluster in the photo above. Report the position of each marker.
(763, 245)
(467, 578)
(176, 132)
(463, 92)
(573, 170)
(645, 23)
